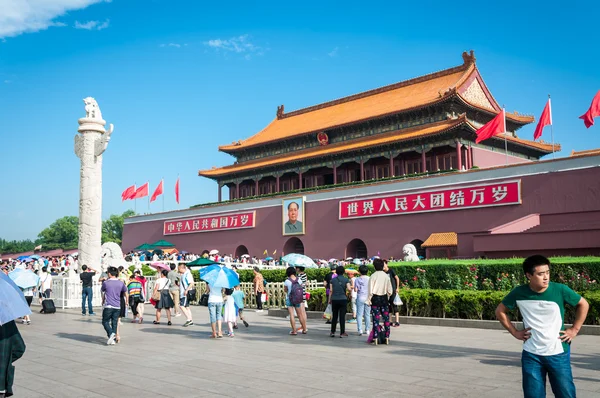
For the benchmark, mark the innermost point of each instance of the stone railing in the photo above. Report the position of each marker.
(66, 292)
(275, 293)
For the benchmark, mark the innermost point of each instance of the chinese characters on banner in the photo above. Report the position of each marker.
(218, 222)
(487, 195)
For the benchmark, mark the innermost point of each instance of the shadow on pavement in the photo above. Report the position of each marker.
(85, 338)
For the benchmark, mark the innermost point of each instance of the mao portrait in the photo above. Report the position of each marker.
(293, 216)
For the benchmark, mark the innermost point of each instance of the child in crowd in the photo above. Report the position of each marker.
(229, 311)
(238, 297)
(353, 295)
(134, 287)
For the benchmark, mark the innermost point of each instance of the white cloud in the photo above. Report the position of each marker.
(25, 16)
(334, 52)
(238, 45)
(176, 45)
(92, 25)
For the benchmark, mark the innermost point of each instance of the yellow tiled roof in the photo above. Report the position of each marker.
(366, 142)
(340, 147)
(586, 152)
(399, 97)
(441, 239)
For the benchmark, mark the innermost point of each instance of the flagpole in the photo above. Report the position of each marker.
(135, 201)
(163, 194)
(148, 182)
(505, 143)
(551, 127)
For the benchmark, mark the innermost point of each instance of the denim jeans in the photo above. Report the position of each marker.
(110, 317)
(557, 367)
(214, 310)
(88, 294)
(363, 311)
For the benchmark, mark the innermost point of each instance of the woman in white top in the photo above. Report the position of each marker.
(380, 290)
(165, 301)
(28, 293)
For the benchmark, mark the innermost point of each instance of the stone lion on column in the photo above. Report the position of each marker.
(112, 256)
(92, 110)
(410, 253)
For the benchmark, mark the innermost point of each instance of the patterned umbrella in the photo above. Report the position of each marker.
(219, 276)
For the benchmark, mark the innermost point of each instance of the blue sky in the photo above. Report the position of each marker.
(178, 78)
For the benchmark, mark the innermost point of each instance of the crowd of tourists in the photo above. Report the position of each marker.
(374, 302)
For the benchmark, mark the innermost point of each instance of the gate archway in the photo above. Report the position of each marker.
(240, 251)
(293, 245)
(356, 249)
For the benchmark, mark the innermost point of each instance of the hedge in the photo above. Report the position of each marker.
(579, 273)
(146, 270)
(461, 304)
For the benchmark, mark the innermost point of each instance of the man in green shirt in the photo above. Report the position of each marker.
(546, 347)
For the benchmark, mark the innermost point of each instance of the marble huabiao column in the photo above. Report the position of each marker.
(90, 144)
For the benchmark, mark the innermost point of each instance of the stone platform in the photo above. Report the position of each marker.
(67, 357)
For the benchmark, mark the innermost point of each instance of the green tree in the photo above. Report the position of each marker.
(16, 246)
(61, 234)
(112, 227)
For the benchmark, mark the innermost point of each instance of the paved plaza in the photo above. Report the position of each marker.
(67, 357)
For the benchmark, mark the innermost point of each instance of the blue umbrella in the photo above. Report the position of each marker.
(12, 301)
(34, 256)
(219, 276)
(268, 258)
(299, 260)
(357, 261)
(24, 278)
(20, 258)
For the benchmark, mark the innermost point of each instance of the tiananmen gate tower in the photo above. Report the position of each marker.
(366, 174)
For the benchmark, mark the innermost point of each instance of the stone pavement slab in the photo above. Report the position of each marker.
(67, 356)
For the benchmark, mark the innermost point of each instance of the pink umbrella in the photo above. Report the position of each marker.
(159, 266)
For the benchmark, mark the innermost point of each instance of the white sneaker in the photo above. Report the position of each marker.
(111, 340)
(360, 333)
(177, 315)
(262, 311)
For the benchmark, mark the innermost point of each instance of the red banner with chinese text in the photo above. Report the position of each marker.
(484, 195)
(217, 222)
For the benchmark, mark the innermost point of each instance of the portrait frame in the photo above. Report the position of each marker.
(301, 216)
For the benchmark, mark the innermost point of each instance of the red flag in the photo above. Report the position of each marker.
(494, 127)
(158, 191)
(545, 120)
(126, 195)
(177, 191)
(588, 117)
(140, 192)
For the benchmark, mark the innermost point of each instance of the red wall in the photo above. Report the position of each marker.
(327, 236)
